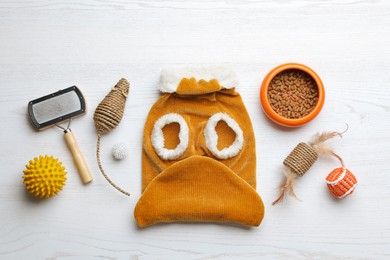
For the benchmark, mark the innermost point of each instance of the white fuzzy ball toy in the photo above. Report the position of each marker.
(119, 151)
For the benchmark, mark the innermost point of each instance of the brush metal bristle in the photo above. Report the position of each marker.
(56, 107)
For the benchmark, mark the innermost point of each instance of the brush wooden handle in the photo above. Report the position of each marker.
(78, 157)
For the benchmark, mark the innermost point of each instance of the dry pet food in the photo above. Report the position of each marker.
(293, 94)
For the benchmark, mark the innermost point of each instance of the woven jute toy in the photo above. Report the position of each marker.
(340, 181)
(108, 115)
(199, 155)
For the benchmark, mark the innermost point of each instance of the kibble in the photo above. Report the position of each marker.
(293, 94)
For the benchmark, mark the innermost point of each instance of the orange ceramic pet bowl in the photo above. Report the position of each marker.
(278, 117)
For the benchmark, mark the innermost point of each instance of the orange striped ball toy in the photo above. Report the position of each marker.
(341, 182)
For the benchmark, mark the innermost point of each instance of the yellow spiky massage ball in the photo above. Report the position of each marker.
(45, 176)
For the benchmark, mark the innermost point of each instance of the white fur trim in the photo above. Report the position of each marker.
(171, 77)
(158, 140)
(211, 136)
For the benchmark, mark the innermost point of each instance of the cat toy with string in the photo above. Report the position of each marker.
(341, 182)
(108, 115)
(58, 107)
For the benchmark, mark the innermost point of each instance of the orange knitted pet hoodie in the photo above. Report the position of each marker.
(199, 154)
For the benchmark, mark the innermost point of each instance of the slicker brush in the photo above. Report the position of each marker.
(108, 115)
(44, 176)
(304, 155)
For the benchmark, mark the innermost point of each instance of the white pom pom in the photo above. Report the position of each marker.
(119, 151)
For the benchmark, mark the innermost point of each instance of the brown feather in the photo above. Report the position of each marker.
(318, 144)
(287, 187)
(321, 138)
(321, 148)
(328, 151)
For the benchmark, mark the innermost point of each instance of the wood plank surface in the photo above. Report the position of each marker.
(50, 45)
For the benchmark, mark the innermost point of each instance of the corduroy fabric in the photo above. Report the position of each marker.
(197, 186)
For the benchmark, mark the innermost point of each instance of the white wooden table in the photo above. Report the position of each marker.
(49, 45)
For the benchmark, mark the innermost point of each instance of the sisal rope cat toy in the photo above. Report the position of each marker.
(108, 115)
(341, 182)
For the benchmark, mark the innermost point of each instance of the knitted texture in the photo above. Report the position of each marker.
(199, 157)
(341, 182)
(301, 158)
(108, 115)
(119, 151)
